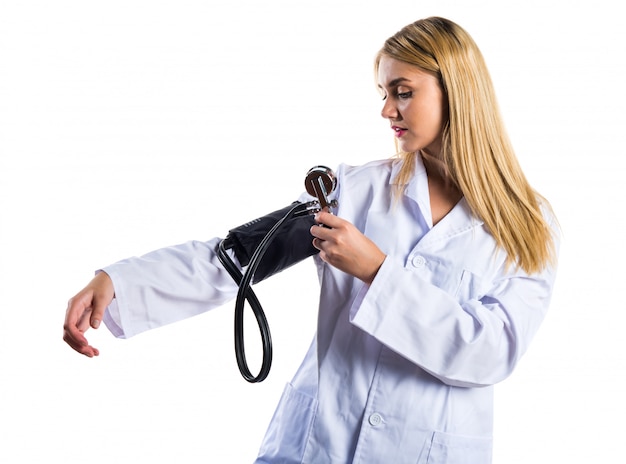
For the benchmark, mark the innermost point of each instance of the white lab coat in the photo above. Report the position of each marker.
(401, 371)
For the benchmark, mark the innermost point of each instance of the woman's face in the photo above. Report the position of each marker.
(414, 104)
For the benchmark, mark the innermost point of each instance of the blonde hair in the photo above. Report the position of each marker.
(476, 148)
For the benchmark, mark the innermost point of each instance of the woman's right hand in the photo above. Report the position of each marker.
(85, 310)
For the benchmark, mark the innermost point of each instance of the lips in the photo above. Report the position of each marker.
(399, 131)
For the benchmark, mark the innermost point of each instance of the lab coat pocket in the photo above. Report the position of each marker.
(289, 429)
(447, 448)
(469, 287)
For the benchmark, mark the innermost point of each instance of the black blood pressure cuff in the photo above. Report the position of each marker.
(290, 244)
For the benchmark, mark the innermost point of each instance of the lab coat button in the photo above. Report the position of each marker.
(418, 261)
(375, 419)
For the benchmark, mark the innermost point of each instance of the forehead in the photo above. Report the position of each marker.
(392, 72)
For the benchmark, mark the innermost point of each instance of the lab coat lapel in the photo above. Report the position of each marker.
(459, 220)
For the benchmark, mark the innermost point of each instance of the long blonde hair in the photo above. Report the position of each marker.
(476, 148)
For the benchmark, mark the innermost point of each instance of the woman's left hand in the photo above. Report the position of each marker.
(343, 246)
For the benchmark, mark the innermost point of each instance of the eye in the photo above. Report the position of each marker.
(405, 95)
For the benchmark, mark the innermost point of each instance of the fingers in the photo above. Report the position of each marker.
(82, 348)
(343, 246)
(328, 219)
(76, 323)
(86, 310)
(102, 295)
(333, 229)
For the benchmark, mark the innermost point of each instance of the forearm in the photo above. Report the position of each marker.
(165, 286)
(474, 342)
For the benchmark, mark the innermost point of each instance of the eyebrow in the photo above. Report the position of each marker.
(396, 81)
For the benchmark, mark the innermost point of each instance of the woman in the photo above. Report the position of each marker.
(436, 272)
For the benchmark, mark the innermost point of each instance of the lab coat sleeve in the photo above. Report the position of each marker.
(165, 286)
(473, 343)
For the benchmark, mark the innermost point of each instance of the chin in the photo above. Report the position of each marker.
(408, 148)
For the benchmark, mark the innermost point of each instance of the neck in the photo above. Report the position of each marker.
(436, 168)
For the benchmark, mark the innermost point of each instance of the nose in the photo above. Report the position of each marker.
(389, 110)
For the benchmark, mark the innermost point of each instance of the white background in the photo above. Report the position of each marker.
(130, 125)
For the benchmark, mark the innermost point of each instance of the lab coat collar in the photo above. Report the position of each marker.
(419, 180)
(460, 219)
